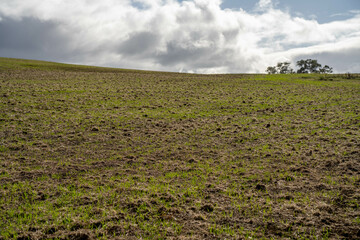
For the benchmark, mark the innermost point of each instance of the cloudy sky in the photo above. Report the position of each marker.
(204, 36)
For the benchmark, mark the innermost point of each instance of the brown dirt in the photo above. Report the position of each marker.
(142, 155)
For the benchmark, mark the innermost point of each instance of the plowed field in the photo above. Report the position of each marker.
(100, 153)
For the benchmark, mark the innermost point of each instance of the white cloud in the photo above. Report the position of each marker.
(264, 5)
(194, 35)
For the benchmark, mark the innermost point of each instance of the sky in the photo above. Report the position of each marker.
(198, 36)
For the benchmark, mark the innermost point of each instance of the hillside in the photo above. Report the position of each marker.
(89, 152)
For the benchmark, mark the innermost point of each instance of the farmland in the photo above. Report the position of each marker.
(102, 153)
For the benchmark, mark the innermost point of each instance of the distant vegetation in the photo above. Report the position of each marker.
(305, 66)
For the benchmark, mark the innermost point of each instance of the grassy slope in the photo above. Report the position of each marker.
(108, 153)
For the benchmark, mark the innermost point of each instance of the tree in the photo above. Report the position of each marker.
(314, 66)
(303, 68)
(271, 70)
(281, 67)
(308, 66)
(326, 69)
(284, 68)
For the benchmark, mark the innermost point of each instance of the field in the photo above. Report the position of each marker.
(101, 153)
